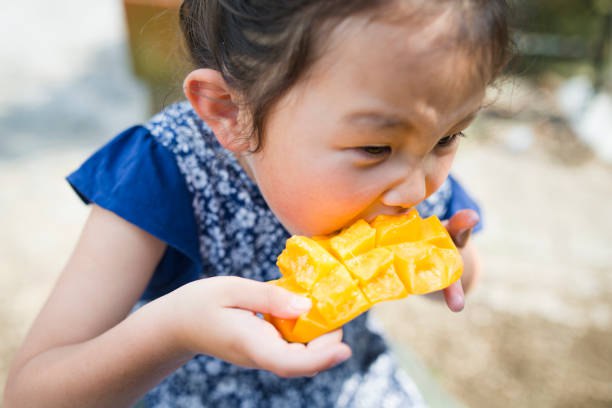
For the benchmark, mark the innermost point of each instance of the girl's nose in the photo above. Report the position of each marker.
(408, 192)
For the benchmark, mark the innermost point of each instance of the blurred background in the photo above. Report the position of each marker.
(536, 331)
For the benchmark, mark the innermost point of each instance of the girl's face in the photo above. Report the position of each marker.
(372, 129)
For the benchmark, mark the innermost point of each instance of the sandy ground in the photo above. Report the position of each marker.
(536, 331)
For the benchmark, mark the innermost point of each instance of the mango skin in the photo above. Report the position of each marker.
(366, 263)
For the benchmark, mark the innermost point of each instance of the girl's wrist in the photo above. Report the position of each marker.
(170, 334)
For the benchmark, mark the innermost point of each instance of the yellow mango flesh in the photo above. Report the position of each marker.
(366, 263)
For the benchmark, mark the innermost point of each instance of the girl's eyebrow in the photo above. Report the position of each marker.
(378, 120)
(469, 118)
(390, 121)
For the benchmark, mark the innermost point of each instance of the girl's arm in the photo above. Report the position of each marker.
(85, 349)
(80, 349)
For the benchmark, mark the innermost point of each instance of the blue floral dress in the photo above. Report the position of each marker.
(173, 179)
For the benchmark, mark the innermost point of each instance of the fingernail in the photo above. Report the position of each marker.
(301, 303)
(342, 356)
(462, 238)
(458, 302)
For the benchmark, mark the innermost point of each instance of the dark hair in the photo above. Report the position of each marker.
(262, 47)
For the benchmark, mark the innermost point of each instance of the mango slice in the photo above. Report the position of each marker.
(366, 263)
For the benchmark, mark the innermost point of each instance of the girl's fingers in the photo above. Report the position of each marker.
(460, 226)
(261, 297)
(454, 296)
(260, 346)
(298, 360)
(333, 337)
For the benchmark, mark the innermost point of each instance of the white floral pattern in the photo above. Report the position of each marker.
(239, 235)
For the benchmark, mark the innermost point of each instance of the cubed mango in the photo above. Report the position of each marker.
(366, 263)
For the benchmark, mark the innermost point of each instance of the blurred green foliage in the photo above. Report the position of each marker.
(563, 36)
(567, 17)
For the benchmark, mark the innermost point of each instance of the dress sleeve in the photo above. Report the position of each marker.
(139, 180)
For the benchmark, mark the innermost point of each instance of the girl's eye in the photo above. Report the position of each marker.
(449, 140)
(375, 151)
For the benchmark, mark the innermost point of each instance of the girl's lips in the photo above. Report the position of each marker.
(372, 217)
(369, 218)
(403, 211)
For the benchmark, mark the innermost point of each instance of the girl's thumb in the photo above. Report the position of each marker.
(460, 226)
(282, 303)
(267, 298)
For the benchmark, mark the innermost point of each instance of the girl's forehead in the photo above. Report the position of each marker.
(423, 26)
(423, 59)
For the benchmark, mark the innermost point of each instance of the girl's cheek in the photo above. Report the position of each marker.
(438, 170)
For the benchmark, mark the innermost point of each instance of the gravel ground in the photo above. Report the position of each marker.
(535, 332)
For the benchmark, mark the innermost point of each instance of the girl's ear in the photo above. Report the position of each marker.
(218, 106)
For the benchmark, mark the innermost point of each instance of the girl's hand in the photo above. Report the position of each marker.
(216, 316)
(460, 227)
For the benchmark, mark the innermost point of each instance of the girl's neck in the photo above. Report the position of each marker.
(244, 163)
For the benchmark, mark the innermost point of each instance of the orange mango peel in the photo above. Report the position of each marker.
(345, 274)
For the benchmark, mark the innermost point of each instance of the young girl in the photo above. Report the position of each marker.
(303, 117)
